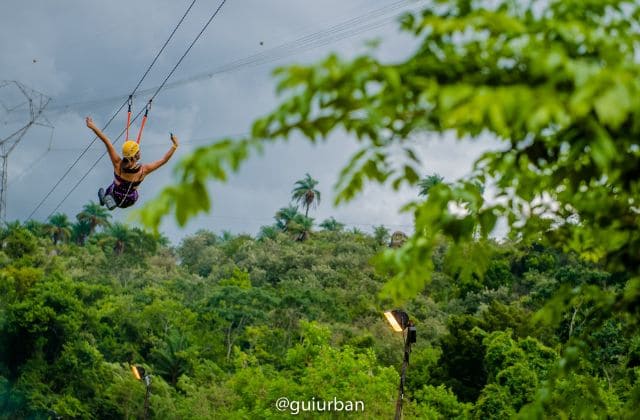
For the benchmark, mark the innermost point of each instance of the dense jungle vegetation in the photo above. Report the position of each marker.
(226, 324)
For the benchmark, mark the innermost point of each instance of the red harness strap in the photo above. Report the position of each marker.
(144, 118)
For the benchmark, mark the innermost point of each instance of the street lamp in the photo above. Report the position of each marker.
(139, 374)
(400, 322)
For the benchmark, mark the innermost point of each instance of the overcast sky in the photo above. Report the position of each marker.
(88, 56)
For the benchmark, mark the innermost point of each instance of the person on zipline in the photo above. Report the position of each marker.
(128, 171)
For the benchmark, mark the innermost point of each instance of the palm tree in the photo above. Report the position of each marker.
(80, 231)
(332, 225)
(429, 182)
(95, 215)
(356, 231)
(381, 234)
(121, 235)
(59, 227)
(171, 359)
(305, 193)
(301, 227)
(226, 236)
(268, 232)
(285, 216)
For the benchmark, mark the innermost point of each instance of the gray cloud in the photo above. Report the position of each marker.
(88, 51)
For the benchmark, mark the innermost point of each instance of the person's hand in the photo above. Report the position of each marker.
(89, 122)
(174, 140)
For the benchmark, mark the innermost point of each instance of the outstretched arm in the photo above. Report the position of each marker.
(115, 158)
(150, 167)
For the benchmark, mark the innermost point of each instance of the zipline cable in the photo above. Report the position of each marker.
(115, 113)
(139, 113)
(320, 38)
(339, 31)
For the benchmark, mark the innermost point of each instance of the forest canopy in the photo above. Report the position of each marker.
(227, 324)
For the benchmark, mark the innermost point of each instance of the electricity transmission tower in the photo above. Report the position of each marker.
(17, 99)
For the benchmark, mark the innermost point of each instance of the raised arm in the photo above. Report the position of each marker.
(115, 158)
(150, 167)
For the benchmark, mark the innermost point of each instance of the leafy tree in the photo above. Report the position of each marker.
(440, 403)
(461, 366)
(305, 193)
(198, 253)
(18, 242)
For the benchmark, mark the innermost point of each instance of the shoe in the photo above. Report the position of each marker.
(101, 196)
(110, 202)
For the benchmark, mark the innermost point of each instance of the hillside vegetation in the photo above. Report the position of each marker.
(227, 324)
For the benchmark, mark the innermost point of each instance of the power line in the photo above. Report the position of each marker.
(152, 97)
(37, 160)
(115, 113)
(342, 30)
(332, 34)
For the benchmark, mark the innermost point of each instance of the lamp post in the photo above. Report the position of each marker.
(139, 373)
(400, 322)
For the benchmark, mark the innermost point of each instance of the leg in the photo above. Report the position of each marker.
(108, 197)
(101, 196)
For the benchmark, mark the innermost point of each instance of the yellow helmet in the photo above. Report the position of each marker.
(130, 148)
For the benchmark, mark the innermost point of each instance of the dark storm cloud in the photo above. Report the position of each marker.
(78, 52)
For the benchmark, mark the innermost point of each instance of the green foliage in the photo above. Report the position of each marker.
(440, 403)
(226, 324)
(555, 82)
(18, 242)
(461, 366)
(332, 225)
(381, 234)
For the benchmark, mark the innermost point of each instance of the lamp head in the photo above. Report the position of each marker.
(138, 372)
(399, 320)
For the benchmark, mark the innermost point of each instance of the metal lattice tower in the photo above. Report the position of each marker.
(16, 100)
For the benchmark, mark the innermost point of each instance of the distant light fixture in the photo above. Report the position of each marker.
(399, 320)
(138, 372)
(141, 375)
